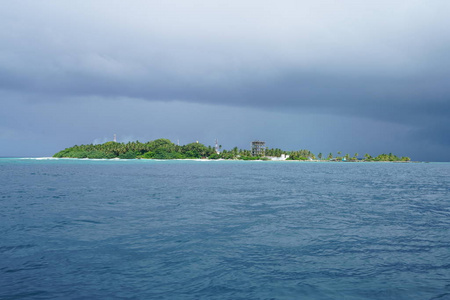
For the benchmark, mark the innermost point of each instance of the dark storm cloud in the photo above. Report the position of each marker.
(380, 60)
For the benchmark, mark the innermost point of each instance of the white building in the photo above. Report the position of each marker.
(282, 157)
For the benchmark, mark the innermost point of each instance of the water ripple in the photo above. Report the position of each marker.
(224, 230)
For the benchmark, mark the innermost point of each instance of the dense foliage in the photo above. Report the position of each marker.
(165, 149)
(157, 149)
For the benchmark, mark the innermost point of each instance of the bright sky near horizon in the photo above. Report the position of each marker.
(328, 76)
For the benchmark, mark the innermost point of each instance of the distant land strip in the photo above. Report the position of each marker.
(165, 149)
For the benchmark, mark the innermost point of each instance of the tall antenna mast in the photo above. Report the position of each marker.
(217, 147)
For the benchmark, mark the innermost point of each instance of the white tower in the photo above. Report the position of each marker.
(217, 147)
(115, 138)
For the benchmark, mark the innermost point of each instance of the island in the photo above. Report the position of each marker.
(165, 149)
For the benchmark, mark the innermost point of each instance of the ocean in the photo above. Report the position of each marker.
(143, 229)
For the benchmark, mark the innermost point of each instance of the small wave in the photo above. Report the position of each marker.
(15, 248)
(87, 221)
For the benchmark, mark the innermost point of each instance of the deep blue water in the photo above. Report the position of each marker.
(78, 229)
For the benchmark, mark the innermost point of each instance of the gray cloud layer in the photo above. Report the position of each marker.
(381, 60)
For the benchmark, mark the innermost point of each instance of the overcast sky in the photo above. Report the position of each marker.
(351, 76)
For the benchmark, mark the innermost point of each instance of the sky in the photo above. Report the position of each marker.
(351, 76)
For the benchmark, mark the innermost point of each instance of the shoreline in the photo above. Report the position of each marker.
(204, 160)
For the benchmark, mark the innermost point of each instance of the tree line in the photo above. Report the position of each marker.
(165, 149)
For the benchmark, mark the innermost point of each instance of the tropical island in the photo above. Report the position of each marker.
(165, 149)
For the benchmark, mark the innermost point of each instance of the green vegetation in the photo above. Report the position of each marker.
(301, 155)
(368, 157)
(157, 149)
(165, 149)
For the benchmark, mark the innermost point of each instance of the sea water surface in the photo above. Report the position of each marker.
(142, 229)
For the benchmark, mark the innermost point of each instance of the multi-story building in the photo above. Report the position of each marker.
(258, 148)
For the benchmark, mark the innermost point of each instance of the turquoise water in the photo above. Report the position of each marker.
(77, 229)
